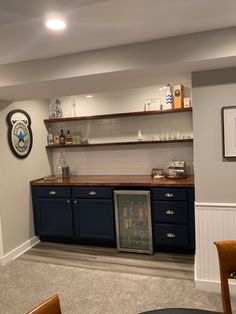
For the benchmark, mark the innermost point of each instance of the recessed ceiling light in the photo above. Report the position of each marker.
(89, 96)
(56, 24)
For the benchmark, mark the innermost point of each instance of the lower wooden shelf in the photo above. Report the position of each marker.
(120, 143)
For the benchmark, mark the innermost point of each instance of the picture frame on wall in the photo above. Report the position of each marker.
(228, 115)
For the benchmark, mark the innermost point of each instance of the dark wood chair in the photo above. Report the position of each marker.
(227, 262)
(50, 306)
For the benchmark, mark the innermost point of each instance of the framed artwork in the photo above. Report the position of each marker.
(20, 136)
(229, 131)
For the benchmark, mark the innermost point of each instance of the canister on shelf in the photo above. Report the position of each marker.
(178, 92)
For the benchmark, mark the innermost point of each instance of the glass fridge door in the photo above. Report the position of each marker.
(133, 221)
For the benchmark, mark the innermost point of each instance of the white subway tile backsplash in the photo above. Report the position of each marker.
(124, 159)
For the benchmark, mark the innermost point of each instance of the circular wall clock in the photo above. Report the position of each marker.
(20, 136)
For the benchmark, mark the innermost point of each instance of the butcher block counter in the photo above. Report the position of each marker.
(112, 180)
(82, 210)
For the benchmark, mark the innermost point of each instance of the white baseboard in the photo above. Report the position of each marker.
(213, 286)
(19, 250)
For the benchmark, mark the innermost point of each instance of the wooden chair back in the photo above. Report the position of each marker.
(50, 306)
(227, 262)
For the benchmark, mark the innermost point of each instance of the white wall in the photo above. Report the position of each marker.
(121, 160)
(16, 208)
(214, 176)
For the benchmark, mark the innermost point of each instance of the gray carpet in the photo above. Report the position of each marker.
(87, 291)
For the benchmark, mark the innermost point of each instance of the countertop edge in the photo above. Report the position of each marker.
(115, 181)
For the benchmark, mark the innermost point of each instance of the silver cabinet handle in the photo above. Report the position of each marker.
(170, 235)
(169, 195)
(75, 202)
(52, 192)
(92, 193)
(68, 201)
(170, 212)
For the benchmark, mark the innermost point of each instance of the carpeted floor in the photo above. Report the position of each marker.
(24, 284)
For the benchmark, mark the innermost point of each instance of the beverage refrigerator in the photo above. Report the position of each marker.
(133, 221)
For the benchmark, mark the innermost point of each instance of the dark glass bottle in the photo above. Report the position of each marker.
(62, 138)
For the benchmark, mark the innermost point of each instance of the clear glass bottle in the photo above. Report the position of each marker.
(50, 138)
(60, 164)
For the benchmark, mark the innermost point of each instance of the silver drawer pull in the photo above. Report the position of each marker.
(170, 235)
(170, 212)
(92, 193)
(68, 201)
(169, 195)
(75, 202)
(52, 192)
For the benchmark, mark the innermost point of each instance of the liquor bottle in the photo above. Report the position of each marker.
(168, 104)
(68, 138)
(62, 138)
(56, 138)
(50, 138)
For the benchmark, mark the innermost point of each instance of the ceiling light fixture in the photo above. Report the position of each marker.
(56, 24)
(89, 96)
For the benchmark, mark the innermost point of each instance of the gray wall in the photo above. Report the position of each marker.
(215, 178)
(16, 209)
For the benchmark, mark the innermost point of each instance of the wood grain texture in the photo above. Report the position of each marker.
(115, 181)
(159, 264)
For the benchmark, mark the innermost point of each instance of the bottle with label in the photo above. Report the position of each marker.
(168, 104)
(68, 138)
(50, 138)
(56, 138)
(62, 138)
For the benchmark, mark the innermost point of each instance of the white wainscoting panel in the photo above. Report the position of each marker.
(213, 222)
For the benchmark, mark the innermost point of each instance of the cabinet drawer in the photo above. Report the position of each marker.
(51, 191)
(92, 192)
(169, 194)
(171, 235)
(172, 212)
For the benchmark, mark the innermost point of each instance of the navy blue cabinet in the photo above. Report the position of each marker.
(173, 219)
(94, 214)
(85, 215)
(53, 212)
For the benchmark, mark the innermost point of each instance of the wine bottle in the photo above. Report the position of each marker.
(168, 104)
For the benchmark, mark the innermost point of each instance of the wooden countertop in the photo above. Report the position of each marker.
(114, 181)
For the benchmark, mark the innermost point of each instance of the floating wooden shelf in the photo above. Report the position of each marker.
(120, 143)
(116, 115)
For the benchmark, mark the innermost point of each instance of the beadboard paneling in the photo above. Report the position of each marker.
(213, 222)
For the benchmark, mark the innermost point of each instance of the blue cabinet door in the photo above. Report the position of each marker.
(94, 219)
(54, 218)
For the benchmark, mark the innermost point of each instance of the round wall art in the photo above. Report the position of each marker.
(20, 136)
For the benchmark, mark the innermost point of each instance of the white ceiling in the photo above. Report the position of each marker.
(94, 24)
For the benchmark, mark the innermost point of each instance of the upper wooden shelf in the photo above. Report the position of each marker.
(116, 115)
